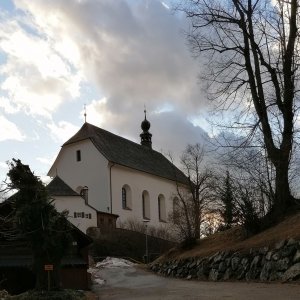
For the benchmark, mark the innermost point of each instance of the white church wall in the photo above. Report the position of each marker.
(92, 171)
(139, 182)
(80, 215)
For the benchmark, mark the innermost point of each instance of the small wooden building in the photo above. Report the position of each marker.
(16, 259)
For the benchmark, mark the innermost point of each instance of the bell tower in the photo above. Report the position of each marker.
(146, 136)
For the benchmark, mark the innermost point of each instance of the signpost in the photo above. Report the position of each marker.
(48, 268)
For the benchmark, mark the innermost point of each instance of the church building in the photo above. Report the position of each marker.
(99, 176)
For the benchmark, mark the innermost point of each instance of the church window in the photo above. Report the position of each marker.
(161, 208)
(126, 197)
(78, 155)
(146, 205)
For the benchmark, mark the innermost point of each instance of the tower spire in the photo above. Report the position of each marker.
(146, 136)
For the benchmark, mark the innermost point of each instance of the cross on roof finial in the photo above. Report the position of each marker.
(145, 111)
(84, 113)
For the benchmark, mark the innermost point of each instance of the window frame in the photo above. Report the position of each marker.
(162, 216)
(146, 209)
(78, 155)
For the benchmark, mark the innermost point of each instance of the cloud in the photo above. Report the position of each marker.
(9, 131)
(62, 131)
(3, 165)
(45, 161)
(37, 78)
(133, 52)
(7, 106)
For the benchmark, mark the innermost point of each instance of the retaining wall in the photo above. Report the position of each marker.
(280, 263)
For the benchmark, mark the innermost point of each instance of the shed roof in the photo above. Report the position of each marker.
(57, 187)
(124, 152)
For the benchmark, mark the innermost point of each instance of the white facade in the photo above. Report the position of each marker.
(138, 182)
(112, 187)
(91, 171)
(80, 214)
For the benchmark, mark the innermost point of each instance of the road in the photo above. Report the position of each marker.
(136, 283)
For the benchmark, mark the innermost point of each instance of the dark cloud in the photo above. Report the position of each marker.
(134, 53)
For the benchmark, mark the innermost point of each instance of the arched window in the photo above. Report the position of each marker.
(146, 205)
(84, 193)
(126, 197)
(162, 208)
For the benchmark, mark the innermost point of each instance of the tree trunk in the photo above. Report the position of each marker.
(283, 198)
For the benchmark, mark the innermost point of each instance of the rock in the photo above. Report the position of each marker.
(222, 267)
(189, 277)
(263, 250)
(296, 257)
(244, 261)
(214, 275)
(275, 256)
(291, 242)
(255, 261)
(266, 271)
(282, 264)
(279, 245)
(289, 251)
(269, 255)
(227, 261)
(227, 274)
(235, 262)
(240, 272)
(275, 276)
(292, 273)
(218, 257)
(192, 265)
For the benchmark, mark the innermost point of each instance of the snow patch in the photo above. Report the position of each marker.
(109, 262)
(113, 262)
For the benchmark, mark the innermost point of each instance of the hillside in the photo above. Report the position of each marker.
(235, 239)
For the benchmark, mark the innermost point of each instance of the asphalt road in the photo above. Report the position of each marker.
(136, 283)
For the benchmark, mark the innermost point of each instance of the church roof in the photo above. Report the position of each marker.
(57, 187)
(124, 152)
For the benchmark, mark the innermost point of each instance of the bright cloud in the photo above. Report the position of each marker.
(9, 131)
(62, 131)
(7, 106)
(37, 78)
(3, 165)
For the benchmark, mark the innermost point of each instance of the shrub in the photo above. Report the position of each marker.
(52, 295)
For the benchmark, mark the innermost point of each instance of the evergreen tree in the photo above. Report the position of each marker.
(228, 211)
(37, 221)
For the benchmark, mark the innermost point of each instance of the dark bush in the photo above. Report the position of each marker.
(51, 295)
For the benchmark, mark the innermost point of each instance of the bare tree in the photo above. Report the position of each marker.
(192, 200)
(252, 51)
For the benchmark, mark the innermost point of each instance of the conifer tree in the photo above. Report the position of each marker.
(38, 222)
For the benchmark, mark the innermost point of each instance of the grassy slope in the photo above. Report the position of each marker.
(234, 239)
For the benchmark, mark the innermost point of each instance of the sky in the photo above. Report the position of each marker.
(115, 57)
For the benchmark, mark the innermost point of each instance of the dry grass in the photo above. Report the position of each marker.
(235, 239)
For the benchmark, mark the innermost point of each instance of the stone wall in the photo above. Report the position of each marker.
(280, 263)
